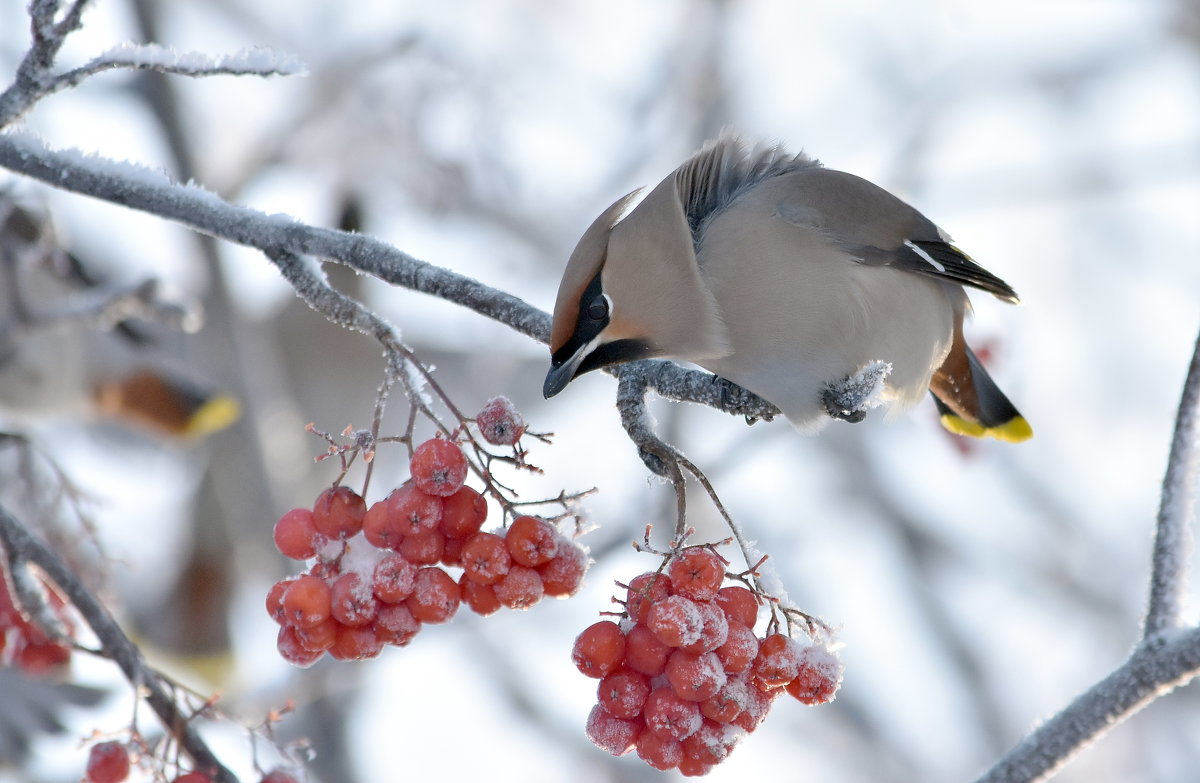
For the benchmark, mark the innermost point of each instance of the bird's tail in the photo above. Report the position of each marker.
(969, 401)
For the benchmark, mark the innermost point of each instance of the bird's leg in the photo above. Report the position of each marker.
(850, 398)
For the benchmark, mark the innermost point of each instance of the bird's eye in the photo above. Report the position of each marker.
(597, 310)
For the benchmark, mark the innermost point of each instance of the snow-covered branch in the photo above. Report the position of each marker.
(151, 57)
(36, 77)
(1168, 655)
(1155, 668)
(1176, 512)
(280, 237)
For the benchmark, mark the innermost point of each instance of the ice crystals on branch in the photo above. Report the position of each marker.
(256, 61)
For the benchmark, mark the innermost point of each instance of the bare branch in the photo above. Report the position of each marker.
(1176, 511)
(23, 547)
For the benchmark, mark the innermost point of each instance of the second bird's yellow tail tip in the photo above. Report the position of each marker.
(213, 416)
(1014, 430)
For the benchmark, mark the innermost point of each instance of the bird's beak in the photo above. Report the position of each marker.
(562, 371)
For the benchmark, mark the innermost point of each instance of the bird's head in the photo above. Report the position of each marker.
(631, 290)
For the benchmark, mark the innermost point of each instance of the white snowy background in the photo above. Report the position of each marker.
(977, 591)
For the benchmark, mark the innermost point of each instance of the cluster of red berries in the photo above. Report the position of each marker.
(108, 762)
(377, 574)
(684, 677)
(23, 643)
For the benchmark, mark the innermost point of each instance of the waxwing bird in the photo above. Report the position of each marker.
(786, 278)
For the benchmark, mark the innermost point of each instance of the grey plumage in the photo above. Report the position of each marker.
(782, 276)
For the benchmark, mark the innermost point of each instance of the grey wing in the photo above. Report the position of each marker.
(879, 229)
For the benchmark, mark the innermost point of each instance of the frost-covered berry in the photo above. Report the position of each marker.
(599, 649)
(338, 512)
(296, 534)
(438, 467)
(499, 422)
(696, 573)
(819, 676)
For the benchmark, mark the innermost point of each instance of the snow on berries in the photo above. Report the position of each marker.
(499, 423)
(377, 574)
(684, 676)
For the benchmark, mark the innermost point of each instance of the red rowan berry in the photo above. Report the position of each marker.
(393, 579)
(438, 467)
(696, 573)
(275, 600)
(395, 624)
(381, 527)
(435, 596)
(451, 551)
(192, 777)
(423, 548)
(728, 703)
(338, 512)
(611, 734)
(758, 704)
(665, 712)
(712, 743)
(531, 541)
(485, 558)
(622, 694)
(644, 652)
(695, 677)
(714, 630)
(676, 621)
(318, 638)
(414, 511)
(739, 604)
(777, 662)
(645, 590)
(819, 677)
(480, 598)
(295, 534)
(291, 650)
(563, 576)
(499, 423)
(740, 649)
(306, 601)
(660, 751)
(108, 762)
(520, 588)
(599, 649)
(355, 643)
(352, 600)
(463, 513)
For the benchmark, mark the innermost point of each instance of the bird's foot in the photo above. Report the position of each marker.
(850, 398)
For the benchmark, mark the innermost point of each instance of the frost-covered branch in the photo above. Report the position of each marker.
(281, 237)
(1168, 655)
(1155, 668)
(37, 79)
(1176, 511)
(23, 548)
(151, 57)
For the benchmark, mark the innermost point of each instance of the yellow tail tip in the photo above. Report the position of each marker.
(960, 426)
(213, 416)
(1012, 431)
